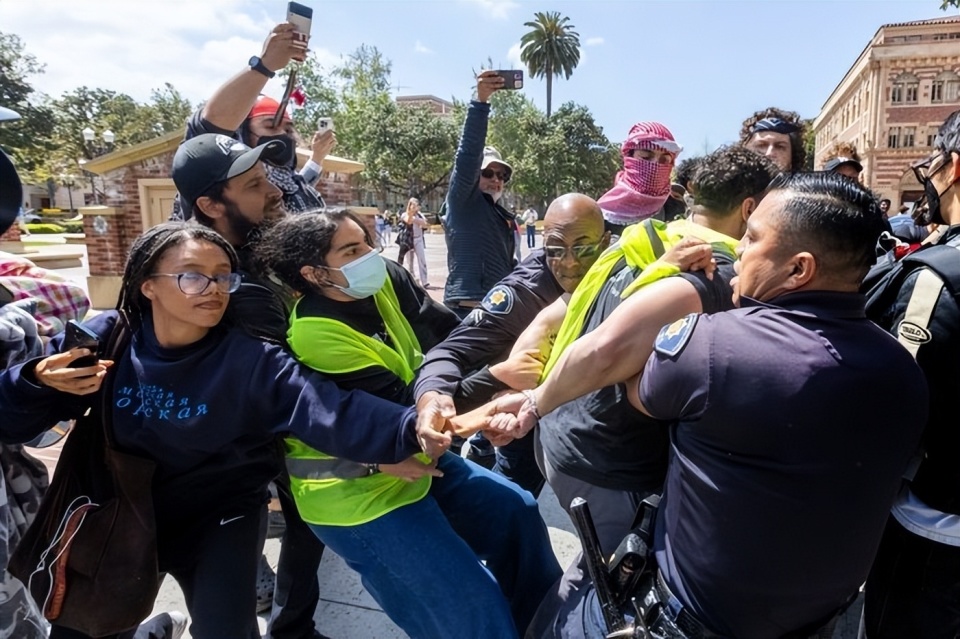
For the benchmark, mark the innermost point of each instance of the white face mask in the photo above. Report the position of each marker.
(365, 275)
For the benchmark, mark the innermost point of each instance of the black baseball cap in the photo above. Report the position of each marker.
(207, 159)
(836, 163)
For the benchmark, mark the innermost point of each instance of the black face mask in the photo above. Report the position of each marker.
(288, 159)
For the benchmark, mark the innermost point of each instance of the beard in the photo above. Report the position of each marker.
(495, 194)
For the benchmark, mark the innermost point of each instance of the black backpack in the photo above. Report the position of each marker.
(884, 281)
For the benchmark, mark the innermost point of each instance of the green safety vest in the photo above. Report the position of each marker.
(330, 346)
(641, 245)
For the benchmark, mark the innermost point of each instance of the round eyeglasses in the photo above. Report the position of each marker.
(193, 283)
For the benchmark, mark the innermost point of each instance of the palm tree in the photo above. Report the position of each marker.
(551, 47)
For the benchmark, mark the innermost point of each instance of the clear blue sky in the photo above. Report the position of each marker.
(699, 67)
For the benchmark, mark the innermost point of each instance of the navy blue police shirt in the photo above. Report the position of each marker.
(487, 335)
(796, 420)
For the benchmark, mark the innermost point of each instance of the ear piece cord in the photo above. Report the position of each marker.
(81, 505)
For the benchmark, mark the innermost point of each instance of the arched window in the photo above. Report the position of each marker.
(905, 88)
(945, 88)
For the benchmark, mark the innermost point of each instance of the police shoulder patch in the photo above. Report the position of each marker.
(673, 337)
(499, 300)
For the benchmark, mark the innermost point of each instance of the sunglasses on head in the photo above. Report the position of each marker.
(580, 252)
(490, 174)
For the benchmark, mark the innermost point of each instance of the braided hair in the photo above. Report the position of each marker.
(147, 251)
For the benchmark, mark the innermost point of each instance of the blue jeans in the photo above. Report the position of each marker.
(421, 561)
(531, 236)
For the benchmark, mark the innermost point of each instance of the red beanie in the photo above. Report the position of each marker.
(267, 106)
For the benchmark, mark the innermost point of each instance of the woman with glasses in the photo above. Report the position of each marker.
(413, 218)
(205, 401)
(416, 531)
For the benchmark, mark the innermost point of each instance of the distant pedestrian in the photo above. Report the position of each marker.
(387, 227)
(413, 218)
(530, 217)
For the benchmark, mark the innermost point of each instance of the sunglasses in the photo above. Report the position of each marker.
(579, 252)
(192, 283)
(490, 174)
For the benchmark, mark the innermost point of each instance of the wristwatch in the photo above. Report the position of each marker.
(257, 65)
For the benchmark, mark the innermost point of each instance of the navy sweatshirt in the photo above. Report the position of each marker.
(209, 414)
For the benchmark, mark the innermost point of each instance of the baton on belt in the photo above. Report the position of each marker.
(596, 565)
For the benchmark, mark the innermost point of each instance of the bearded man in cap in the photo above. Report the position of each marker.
(643, 186)
(236, 109)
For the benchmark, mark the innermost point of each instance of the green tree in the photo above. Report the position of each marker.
(27, 140)
(550, 48)
(950, 3)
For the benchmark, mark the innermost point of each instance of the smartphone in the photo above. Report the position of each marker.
(300, 16)
(79, 336)
(325, 124)
(512, 80)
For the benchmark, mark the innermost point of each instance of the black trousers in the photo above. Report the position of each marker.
(215, 565)
(297, 592)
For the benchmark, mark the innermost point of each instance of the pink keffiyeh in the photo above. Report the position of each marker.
(642, 187)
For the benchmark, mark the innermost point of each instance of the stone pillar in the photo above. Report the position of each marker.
(106, 253)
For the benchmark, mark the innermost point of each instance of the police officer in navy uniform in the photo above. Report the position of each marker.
(780, 475)
(914, 586)
(573, 238)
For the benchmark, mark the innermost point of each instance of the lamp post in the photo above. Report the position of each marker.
(95, 147)
(69, 182)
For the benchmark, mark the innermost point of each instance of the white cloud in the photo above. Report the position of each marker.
(498, 9)
(419, 47)
(593, 42)
(133, 47)
(513, 55)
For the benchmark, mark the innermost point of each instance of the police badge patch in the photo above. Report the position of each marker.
(499, 300)
(673, 337)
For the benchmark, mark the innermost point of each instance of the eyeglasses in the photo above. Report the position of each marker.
(490, 174)
(579, 252)
(193, 283)
(922, 168)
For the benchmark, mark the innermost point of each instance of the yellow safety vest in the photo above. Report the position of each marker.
(330, 346)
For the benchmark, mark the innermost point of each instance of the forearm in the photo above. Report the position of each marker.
(229, 105)
(542, 331)
(619, 348)
(466, 165)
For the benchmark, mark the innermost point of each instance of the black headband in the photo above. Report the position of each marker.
(776, 125)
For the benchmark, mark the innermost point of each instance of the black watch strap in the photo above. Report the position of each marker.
(257, 65)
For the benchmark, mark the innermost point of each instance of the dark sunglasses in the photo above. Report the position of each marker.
(490, 173)
(580, 252)
(192, 283)
(922, 168)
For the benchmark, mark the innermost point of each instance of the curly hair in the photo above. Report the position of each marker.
(302, 240)
(147, 250)
(798, 154)
(683, 174)
(728, 176)
(842, 150)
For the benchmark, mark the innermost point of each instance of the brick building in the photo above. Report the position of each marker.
(891, 102)
(139, 193)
